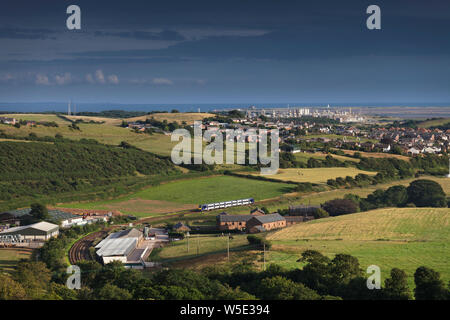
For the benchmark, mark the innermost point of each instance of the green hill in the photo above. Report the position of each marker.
(38, 168)
(397, 237)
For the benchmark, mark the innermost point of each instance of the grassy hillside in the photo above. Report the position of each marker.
(174, 117)
(37, 117)
(188, 194)
(434, 123)
(39, 169)
(315, 175)
(103, 133)
(10, 256)
(305, 156)
(405, 238)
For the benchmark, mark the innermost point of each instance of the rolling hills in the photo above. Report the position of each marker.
(396, 237)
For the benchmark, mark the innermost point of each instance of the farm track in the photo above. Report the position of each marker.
(80, 249)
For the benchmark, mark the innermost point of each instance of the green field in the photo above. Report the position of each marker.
(188, 117)
(305, 156)
(10, 256)
(104, 133)
(433, 123)
(316, 175)
(205, 244)
(397, 237)
(188, 194)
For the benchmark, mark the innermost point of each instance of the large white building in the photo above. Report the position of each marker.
(123, 246)
(34, 232)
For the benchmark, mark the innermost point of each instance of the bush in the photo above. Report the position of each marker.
(338, 207)
(259, 242)
(320, 213)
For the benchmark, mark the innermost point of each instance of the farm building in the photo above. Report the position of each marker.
(232, 222)
(23, 216)
(13, 217)
(265, 223)
(34, 232)
(124, 246)
(257, 212)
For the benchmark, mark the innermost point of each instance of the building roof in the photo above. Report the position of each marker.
(234, 218)
(18, 212)
(180, 225)
(116, 247)
(296, 218)
(42, 226)
(268, 218)
(128, 233)
(257, 210)
(55, 215)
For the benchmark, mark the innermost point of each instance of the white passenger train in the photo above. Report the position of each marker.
(226, 204)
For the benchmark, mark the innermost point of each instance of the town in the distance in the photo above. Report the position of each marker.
(97, 192)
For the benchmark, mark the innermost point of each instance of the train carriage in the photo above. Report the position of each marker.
(226, 204)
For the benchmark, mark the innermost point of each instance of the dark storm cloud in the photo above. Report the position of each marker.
(242, 48)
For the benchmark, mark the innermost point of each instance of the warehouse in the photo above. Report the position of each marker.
(124, 246)
(41, 231)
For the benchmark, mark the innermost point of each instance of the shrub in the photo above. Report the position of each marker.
(338, 207)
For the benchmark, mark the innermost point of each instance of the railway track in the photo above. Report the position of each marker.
(80, 249)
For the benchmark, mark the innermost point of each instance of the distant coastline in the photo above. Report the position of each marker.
(401, 110)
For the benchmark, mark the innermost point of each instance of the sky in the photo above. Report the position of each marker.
(233, 51)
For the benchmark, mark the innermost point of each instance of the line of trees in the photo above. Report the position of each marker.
(321, 278)
(419, 193)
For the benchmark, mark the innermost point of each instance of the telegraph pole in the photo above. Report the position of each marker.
(264, 257)
(198, 244)
(228, 247)
(187, 243)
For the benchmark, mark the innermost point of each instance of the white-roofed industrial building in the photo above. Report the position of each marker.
(33, 232)
(123, 246)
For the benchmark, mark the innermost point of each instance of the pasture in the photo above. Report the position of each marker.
(396, 237)
(376, 154)
(188, 194)
(37, 117)
(435, 122)
(305, 156)
(10, 256)
(104, 133)
(199, 245)
(188, 117)
(315, 175)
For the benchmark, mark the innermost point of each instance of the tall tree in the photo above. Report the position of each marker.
(429, 286)
(426, 193)
(396, 287)
(39, 211)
